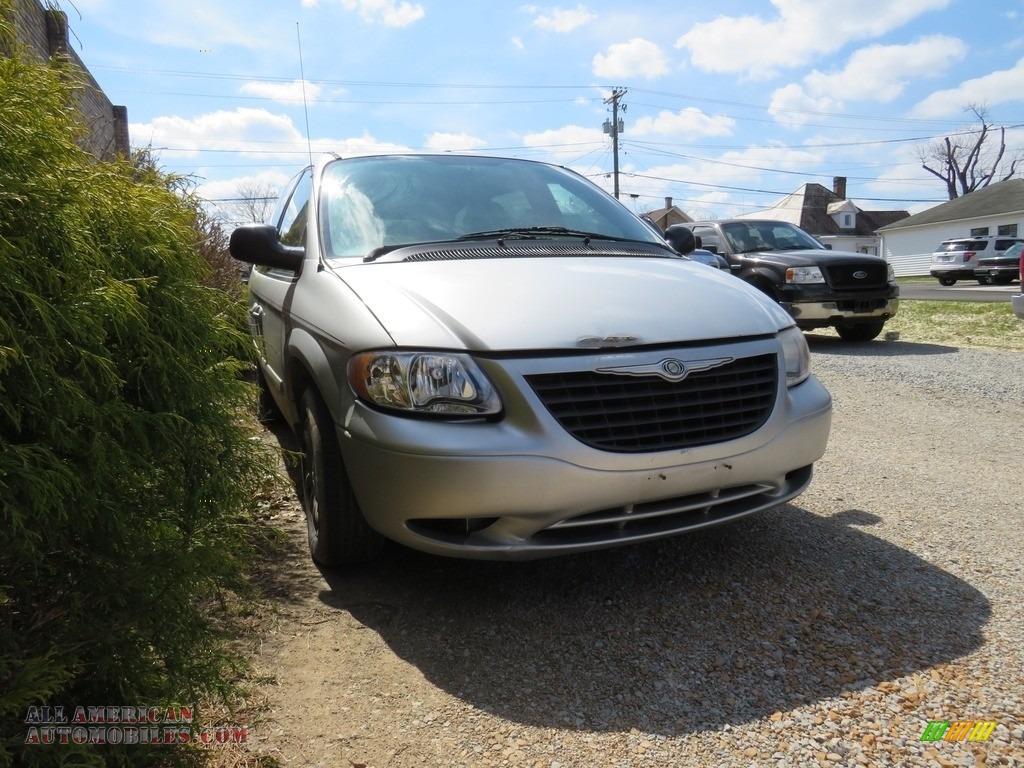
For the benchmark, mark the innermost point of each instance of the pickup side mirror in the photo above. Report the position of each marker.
(681, 238)
(259, 244)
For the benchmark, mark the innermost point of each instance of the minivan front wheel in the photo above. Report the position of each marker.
(338, 532)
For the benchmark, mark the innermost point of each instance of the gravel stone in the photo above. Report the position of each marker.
(828, 631)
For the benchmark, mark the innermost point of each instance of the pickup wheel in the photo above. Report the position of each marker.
(859, 331)
(947, 280)
(338, 532)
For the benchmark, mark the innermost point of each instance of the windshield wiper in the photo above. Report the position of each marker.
(532, 233)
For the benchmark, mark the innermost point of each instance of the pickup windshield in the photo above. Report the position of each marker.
(754, 236)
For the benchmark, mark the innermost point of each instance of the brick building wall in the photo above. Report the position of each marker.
(43, 32)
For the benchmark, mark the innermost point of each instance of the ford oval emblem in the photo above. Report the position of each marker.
(860, 274)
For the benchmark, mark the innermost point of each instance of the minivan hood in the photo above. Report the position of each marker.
(558, 303)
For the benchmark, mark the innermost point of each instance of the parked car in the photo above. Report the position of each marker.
(703, 256)
(958, 258)
(493, 358)
(1017, 301)
(1000, 268)
(854, 293)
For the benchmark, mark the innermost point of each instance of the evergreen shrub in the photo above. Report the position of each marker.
(128, 463)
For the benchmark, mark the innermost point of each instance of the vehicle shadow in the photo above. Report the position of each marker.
(712, 628)
(877, 348)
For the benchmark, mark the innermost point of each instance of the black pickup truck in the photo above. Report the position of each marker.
(854, 293)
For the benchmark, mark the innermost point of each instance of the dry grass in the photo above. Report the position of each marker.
(989, 325)
(960, 324)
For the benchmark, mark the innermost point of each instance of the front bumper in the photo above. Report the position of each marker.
(1017, 302)
(842, 310)
(523, 488)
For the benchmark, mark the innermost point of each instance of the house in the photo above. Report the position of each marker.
(669, 215)
(831, 217)
(43, 32)
(997, 209)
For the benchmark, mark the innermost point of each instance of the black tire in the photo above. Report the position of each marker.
(859, 331)
(944, 280)
(338, 532)
(983, 281)
(266, 409)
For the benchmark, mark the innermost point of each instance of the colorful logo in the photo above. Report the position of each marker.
(959, 730)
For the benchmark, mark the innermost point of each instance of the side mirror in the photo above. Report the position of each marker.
(259, 244)
(681, 238)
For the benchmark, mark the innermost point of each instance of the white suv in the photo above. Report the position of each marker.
(956, 259)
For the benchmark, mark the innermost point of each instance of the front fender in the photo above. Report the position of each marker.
(310, 365)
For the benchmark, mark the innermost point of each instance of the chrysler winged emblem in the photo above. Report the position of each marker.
(669, 369)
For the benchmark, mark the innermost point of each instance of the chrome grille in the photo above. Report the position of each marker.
(639, 414)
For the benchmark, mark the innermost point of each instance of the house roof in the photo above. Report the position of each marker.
(809, 208)
(671, 215)
(1001, 197)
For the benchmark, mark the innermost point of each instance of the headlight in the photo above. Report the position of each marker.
(804, 275)
(891, 273)
(796, 354)
(423, 382)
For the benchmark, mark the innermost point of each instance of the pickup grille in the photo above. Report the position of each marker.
(635, 414)
(841, 276)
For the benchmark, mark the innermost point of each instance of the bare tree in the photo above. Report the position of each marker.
(254, 202)
(969, 161)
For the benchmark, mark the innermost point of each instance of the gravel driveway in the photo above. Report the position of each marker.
(825, 632)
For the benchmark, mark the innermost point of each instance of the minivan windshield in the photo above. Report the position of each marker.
(372, 203)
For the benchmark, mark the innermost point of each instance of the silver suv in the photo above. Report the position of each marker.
(493, 358)
(957, 259)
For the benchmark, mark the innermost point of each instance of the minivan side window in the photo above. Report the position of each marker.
(292, 226)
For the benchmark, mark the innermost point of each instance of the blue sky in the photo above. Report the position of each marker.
(728, 106)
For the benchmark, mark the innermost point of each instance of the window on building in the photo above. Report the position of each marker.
(979, 232)
(847, 220)
(1007, 230)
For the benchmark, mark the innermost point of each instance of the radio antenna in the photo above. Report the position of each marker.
(305, 107)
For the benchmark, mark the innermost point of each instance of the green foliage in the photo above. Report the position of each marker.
(127, 463)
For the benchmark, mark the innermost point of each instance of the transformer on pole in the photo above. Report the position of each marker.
(614, 127)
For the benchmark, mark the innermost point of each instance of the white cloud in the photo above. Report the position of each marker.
(390, 13)
(1000, 87)
(791, 106)
(881, 72)
(758, 47)
(637, 58)
(687, 122)
(563, 20)
(243, 129)
(453, 142)
(295, 92)
(874, 73)
(249, 132)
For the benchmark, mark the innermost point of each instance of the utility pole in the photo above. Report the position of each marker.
(614, 128)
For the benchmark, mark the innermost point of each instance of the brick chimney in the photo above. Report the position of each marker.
(668, 203)
(839, 186)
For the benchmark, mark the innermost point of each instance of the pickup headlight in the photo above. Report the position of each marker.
(423, 382)
(796, 354)
(804, 275)
(891, 273)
